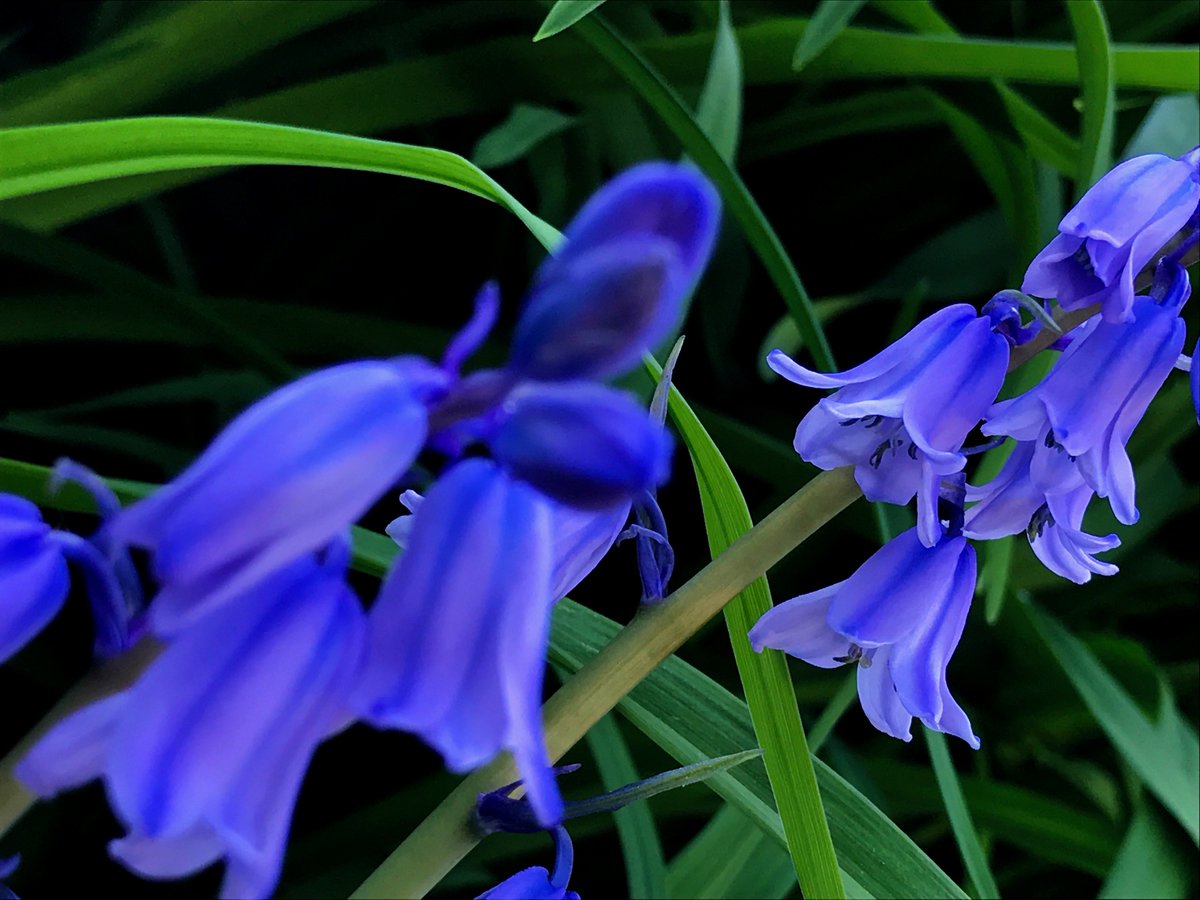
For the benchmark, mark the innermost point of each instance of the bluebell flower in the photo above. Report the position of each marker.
(1040, 492)
(282, 480)
(35, 580)
(901, 417)
(1088, 405)
(535, 883)
(458, 633)
(1194, 378)
(7, 867)
(581, 443)
(616, 285)
(899, 618)
(1119, 226)
(203, 757)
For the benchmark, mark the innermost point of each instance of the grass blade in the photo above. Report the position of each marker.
(765, 678)
(1097, 80)
(965, 835)
(1165, 755)
(830, 18)
(563, 14)
(719, 110)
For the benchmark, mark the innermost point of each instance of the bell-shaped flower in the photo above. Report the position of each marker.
(459, 631)
(7, 867)
(617, 284)
(35, 580)
(1040, 492)
(282, 480)
(899, 617)
(203, 757)
(535, 883)
(901, 417)
(1093, 398)
(582, 444)
(1119, 226)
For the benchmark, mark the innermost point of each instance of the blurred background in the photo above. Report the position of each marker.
(139, 314)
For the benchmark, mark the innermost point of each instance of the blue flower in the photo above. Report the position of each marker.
(459, 631)
(282, 480)
(901, 417)
(1040, 492)
(535, 883)
(1194, 378)
(1093, 398)
(7, 867)
(1123, 221)
(617, 284)
(35, 580)
(899, 617)
(203, 757)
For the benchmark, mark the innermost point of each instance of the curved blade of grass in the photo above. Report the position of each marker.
(1097, 80)
(563, 14)
(731, 858)
(919, 15)
(719, 110)
(828, 21)
(46, 157)
(1165, 755)
(645, 867)
(1148, 865)
(661, 97)
(515, 137)
(765, 678)
(974, 859)
(1045, 140)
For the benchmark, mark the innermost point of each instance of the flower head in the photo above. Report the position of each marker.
(1123, 221)
(535, 883)
(899, 617)
(1093, 398)
(203, 757)
(901, 417)
(282, 480)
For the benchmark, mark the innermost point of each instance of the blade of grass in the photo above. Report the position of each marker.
(719, 110)
(829, 20)
(1165, 755)
(1097, 79)
(562, 15)
(645, 867)
(661, 97)
(765, 679)
(974, 859)
(731, 858)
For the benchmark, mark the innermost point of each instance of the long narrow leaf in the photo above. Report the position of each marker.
(1097, 78)
(562, 15)
(765, 678)
(829, 20)
(960, 816)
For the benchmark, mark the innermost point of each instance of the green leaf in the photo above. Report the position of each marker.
(1045, 140)
(1172, 126)
(46, 157)
(829, 20)
(693, 718)
(1097, 78)
(641, 849)
(993, 576)
(1147, 865)
(974, 859)
(731, 858)
(563, 15)
(511, 140)
(661, 97)
(1165, 755)
(765, 678)
(919, 15)
(719, 111)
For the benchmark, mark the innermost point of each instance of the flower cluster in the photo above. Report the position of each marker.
(266, 650)
(901, 420)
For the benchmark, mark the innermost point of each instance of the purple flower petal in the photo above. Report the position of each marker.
(877, 694)
(74, 751)
(33, 586)
(800, 628)
(583, 444)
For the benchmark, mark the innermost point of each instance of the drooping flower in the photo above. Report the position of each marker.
(899, 617)
(1117, 228)
(458, 634)
(282, 480)
(35, 580)
(1040, 492)
(616, 285)
(535, 883)
(901, 417)
(1093, 398)
(203, 757)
